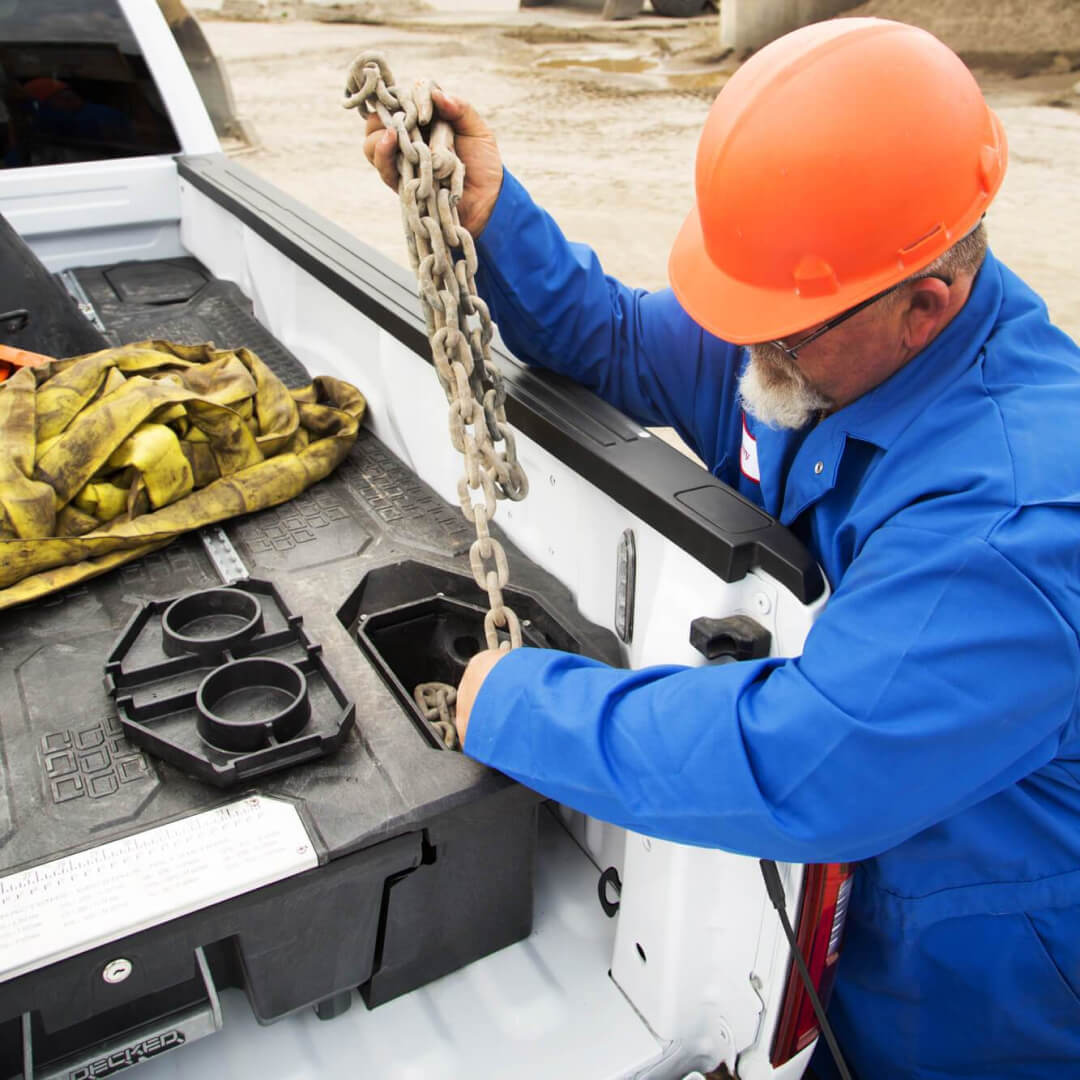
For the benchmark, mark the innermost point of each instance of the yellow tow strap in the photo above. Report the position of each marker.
(109, 456)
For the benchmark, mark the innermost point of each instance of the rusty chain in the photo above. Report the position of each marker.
(459, 326)
(434, 700)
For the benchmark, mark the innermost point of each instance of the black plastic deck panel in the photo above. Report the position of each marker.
(180, 300)
(681, 501)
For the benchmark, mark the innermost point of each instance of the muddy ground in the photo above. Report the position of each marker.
(600, 121)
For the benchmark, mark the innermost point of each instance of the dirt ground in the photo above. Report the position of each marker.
(600, 120)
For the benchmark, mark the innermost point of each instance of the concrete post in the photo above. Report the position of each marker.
(749, 24)
(621, 9)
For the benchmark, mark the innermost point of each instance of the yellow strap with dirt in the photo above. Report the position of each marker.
(106, 457)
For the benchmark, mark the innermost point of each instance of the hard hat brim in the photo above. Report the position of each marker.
(738, 312)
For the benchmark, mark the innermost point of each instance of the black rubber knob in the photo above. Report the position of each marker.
(737, 636)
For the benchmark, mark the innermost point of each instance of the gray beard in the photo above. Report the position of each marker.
(774, 390)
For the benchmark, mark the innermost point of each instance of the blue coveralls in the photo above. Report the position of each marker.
(930, 727)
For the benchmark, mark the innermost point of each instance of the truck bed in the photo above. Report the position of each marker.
(413, 833)
(180, 300)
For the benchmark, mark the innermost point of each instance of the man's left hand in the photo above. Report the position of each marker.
(470, 684)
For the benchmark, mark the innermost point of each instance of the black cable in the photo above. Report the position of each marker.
(775, 888)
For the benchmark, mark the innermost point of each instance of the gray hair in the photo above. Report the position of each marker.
(964, 257)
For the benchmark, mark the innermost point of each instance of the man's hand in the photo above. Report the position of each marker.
(475, 674)
(474, 143)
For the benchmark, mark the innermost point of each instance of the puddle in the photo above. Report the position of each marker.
(686, 79)
(696, 80)
(632, 65)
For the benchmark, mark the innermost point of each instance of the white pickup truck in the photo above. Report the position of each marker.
(147, 899)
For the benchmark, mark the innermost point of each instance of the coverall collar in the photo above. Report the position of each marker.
(881, 415)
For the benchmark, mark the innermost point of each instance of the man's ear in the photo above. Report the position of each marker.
(925, 312)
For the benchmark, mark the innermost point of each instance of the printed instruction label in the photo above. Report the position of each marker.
(63, 907)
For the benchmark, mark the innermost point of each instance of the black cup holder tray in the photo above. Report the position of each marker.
(225, 684)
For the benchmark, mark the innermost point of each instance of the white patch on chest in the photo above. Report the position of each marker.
(748, 459)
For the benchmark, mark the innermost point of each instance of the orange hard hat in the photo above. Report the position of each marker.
(12, 357)
(43, 88)
(836, 162)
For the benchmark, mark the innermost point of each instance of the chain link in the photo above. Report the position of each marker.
(434, 700)
(459, 326)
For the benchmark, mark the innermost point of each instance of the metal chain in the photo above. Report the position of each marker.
(434, 700)
(443, 255)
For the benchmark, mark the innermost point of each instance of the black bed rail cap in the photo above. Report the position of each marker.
(668, 491)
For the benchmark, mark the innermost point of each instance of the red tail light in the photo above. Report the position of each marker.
(826, 892)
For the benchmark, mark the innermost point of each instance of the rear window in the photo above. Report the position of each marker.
(74, 86)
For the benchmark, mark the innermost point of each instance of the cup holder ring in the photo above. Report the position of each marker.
(207, 623)
(249, 704)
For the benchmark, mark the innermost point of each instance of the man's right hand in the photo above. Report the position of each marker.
(474, 143)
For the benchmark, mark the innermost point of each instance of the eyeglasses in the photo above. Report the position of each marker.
(793, 350)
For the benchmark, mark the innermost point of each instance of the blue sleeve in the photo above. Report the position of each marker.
(937, 675)
(640, 351)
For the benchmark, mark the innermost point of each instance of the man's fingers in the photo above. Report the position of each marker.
(380, 149)
(450, 107)
(373, 123)
(385, 153)
(461, 114)
(476, 671)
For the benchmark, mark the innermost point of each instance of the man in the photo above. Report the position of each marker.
(906, 407)
(60, 112)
